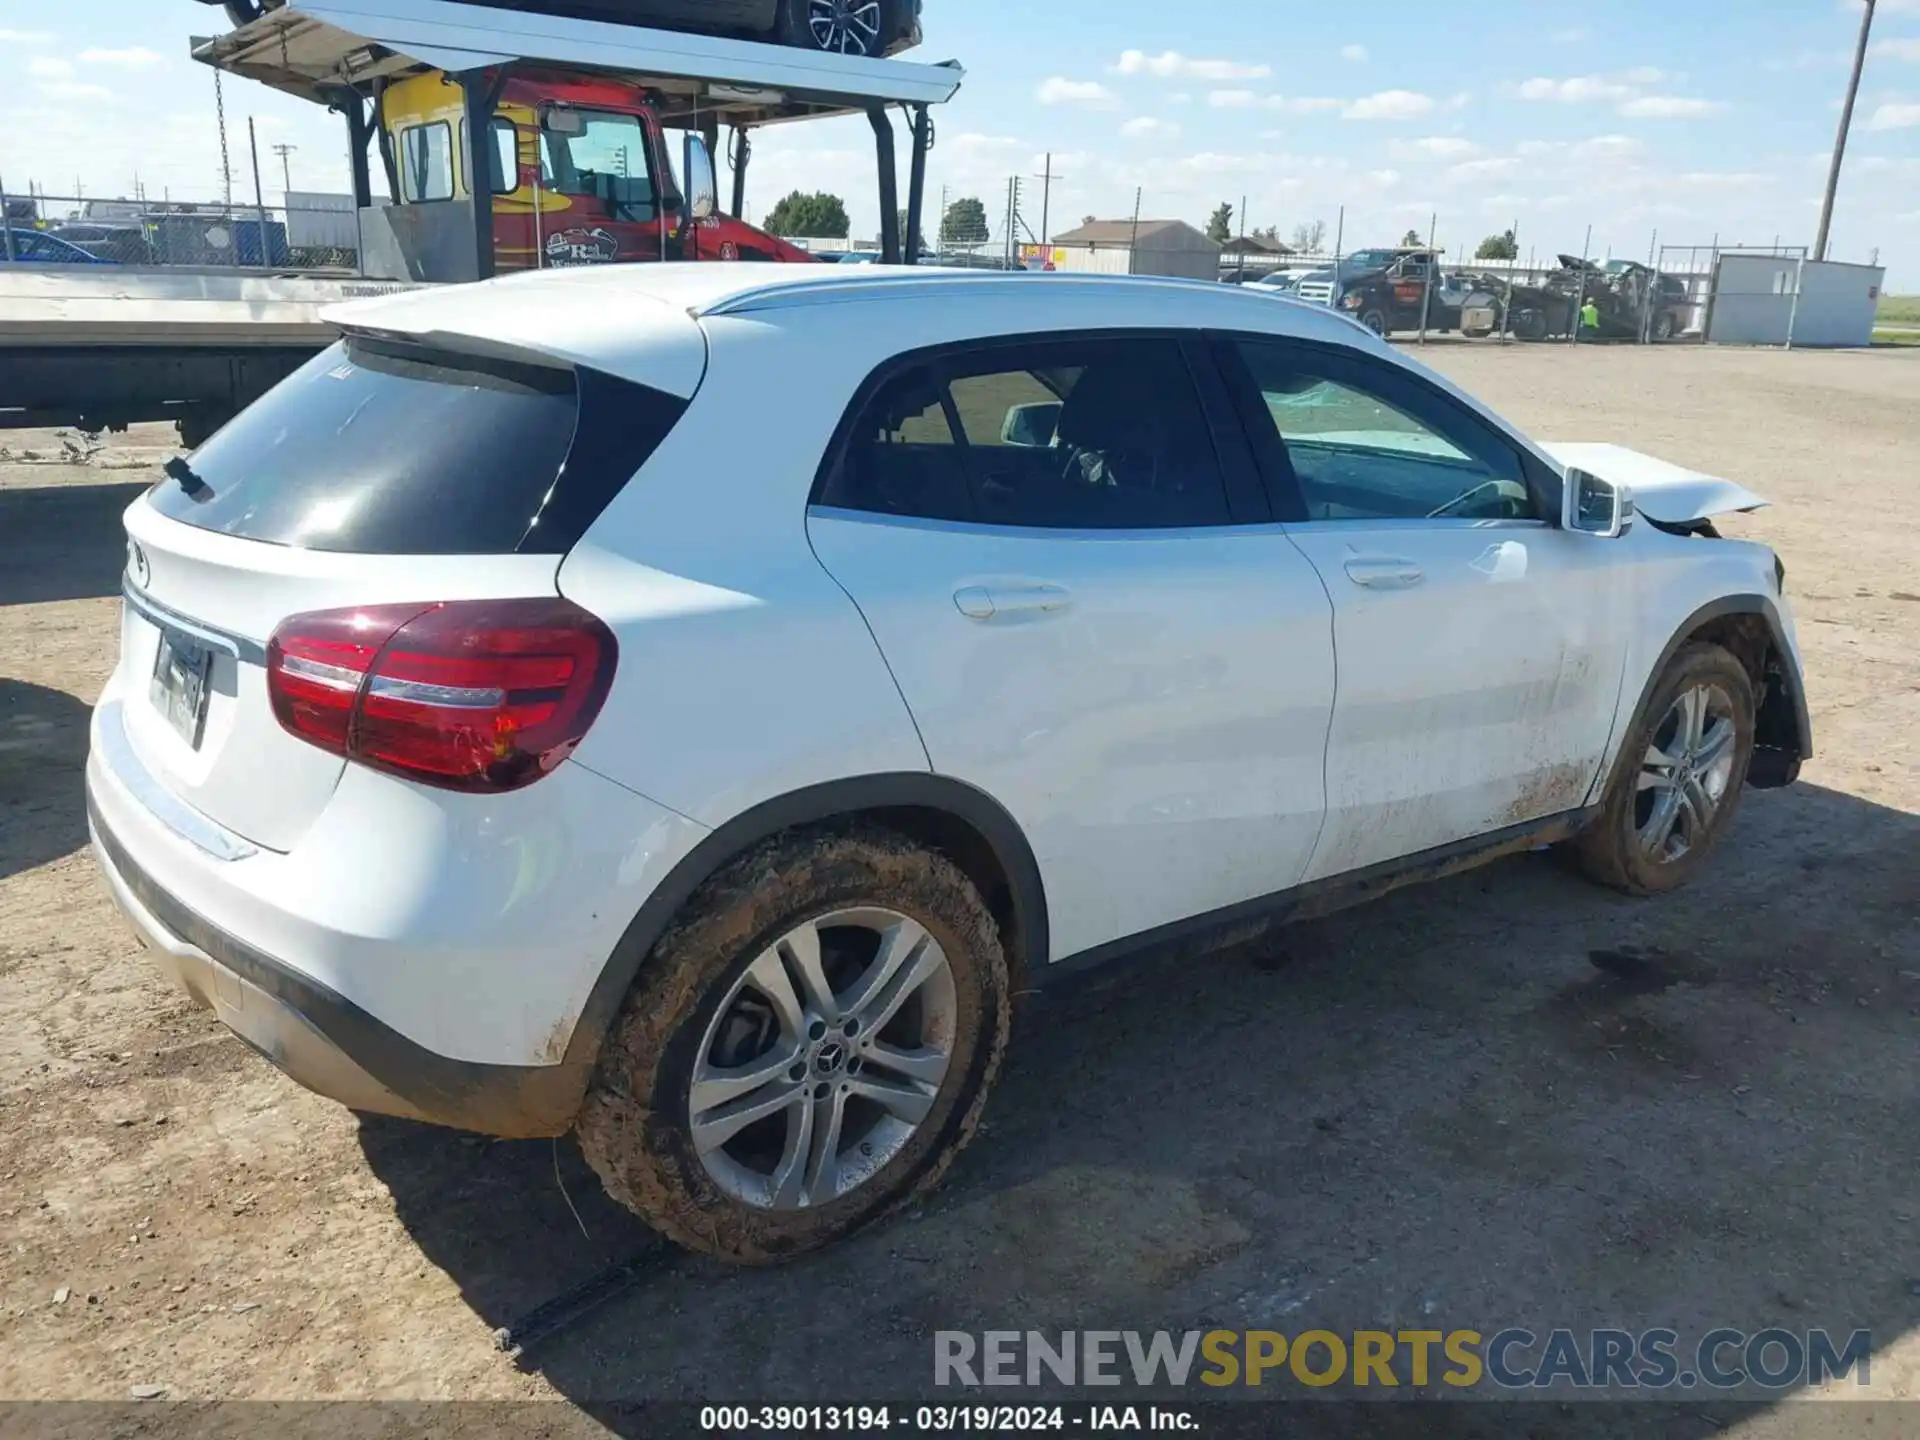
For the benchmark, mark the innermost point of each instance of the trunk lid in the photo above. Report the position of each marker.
(433, 461)
(198, 717)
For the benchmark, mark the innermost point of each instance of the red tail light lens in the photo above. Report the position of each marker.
(479, 695)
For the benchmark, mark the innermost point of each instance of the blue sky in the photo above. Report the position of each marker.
(1696, 120)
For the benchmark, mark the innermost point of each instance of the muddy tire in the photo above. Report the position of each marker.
(1663, 325)
(1679, 778)
(736, 992)
(1375, 319)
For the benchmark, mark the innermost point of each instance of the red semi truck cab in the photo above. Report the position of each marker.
(579, 167)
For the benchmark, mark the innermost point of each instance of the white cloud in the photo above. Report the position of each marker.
(24, 37)
(1147, 127)
(1389, 105)
(1668, 107)
(1057, 90)
(1285, 104)
(69, 90)
(1355, 53)
(48, 68)
(1898, 49)
(134, 58)
(1170, 64)
(1575, 90)
(1606, 147)
(1441, 147)
(1497, 167)
(1721, 179)
(1894, 117)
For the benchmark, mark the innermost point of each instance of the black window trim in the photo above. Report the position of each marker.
(1289, 501)
(1245, 492)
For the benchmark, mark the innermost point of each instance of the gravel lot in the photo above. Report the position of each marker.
(1436, 1112)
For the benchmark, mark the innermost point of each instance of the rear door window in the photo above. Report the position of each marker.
(388, 449)
(1100, 433)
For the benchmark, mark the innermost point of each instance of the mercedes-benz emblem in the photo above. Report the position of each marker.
(137, 564)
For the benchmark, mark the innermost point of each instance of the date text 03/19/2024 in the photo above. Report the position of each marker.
(942, 1419)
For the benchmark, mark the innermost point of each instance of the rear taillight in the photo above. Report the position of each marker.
(481, 695)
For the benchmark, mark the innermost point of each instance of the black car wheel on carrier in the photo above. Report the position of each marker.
(244, 12)
(838, 27)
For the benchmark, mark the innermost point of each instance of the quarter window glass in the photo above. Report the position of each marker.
(1369, 446)
(901, 458)
(1087, 435)
(426, 162)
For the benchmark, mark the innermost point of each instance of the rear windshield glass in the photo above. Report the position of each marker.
(377, 448)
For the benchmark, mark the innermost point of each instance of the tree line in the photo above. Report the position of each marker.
(822, 216)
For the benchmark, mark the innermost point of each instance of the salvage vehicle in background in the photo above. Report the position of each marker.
(869, 28)
(498, 588)
(1410, 294)
(1632, 300)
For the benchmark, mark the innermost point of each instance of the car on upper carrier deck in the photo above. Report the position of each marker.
(685, 704)
(869, 28)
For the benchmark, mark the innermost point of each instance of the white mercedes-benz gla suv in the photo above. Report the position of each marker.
(684, 705)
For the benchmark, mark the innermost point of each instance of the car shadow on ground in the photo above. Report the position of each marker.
(43, 758)
(63, 542)
(1510, 1098)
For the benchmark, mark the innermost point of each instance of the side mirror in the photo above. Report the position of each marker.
(1592, 506)
(696, 166)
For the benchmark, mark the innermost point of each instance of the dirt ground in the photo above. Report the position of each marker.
(1435, 1112)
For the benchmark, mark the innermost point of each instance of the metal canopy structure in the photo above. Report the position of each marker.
(339, 53)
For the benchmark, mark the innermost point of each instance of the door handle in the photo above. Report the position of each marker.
(978, 602)
(1384, 572)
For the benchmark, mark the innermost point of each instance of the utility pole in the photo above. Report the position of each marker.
(1046, 179)
(1243, 240)
(1840, 136)
(1133, 241)
(940, 232)
(259, 200)
(283, 150)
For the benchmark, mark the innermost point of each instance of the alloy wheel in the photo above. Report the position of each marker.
(823, 1059)
(1685, 774)
(845, 27)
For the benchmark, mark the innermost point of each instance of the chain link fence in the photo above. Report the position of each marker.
(1424, 290)
(307, 232)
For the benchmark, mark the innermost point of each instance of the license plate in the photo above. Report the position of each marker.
(179, 689)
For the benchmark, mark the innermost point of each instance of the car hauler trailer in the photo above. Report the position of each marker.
(102, 347)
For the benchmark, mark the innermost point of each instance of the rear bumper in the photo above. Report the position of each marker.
(417, 952)
(319, 1038)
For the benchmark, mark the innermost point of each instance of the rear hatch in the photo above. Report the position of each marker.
(388, 469)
